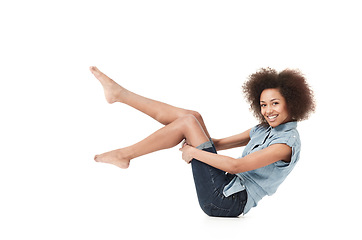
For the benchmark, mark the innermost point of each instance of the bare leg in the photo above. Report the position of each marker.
(186, 127)
(162, 112)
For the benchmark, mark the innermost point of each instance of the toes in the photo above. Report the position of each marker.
(93, 69)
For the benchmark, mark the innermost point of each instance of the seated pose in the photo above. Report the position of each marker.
(226, 186)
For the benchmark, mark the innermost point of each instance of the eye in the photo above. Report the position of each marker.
(263, 105)
(275, 103)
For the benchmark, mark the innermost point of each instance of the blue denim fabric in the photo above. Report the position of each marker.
(210, 183)
(266, 180)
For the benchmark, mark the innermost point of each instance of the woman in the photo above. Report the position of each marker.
(226, 187)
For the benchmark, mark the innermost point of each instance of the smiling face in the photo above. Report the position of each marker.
(274, 107)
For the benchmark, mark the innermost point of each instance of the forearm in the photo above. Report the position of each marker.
(226, 143)
(255, 160)
(225, 163)
(238, 140)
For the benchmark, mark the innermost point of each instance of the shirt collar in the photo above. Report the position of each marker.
(284, 127)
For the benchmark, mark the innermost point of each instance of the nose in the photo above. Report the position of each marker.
(268, 110)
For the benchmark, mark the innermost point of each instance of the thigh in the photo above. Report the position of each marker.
(210, 182)
(207, 178)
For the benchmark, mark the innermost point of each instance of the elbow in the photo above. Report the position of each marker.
(216, 143)
(234, 166)
(232, 171)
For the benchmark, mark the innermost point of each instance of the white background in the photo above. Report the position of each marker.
(193, 54)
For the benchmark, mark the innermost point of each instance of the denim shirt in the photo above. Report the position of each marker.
(265, 181)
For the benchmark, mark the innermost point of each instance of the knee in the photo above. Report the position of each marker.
(188, 123)
(189, 120)
(190, 115)
(195, 114)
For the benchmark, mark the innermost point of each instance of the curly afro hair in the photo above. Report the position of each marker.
(292, 86)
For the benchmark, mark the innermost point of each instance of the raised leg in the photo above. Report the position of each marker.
(162, 112)
(186, 127)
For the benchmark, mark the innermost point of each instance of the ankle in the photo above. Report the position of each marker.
(122, 95)
(127, 153)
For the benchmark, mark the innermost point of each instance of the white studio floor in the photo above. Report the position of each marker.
(192, 54)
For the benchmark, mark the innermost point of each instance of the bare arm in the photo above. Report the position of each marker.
(238, 140)
(258, 159)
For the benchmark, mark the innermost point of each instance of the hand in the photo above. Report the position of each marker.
(186, 152)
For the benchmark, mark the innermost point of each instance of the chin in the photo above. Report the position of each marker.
(274, 124)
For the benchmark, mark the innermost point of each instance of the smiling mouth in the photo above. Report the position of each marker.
(272, 117)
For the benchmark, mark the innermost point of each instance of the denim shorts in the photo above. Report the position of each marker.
(210, 182)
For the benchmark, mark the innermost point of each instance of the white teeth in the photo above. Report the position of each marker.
(272, 117)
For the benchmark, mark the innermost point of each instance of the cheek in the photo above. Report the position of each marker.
(284, 110)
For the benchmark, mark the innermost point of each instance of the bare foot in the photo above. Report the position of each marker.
(112, 91)
(113, 157)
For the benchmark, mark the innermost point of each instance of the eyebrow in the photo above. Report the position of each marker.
(272, 99)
